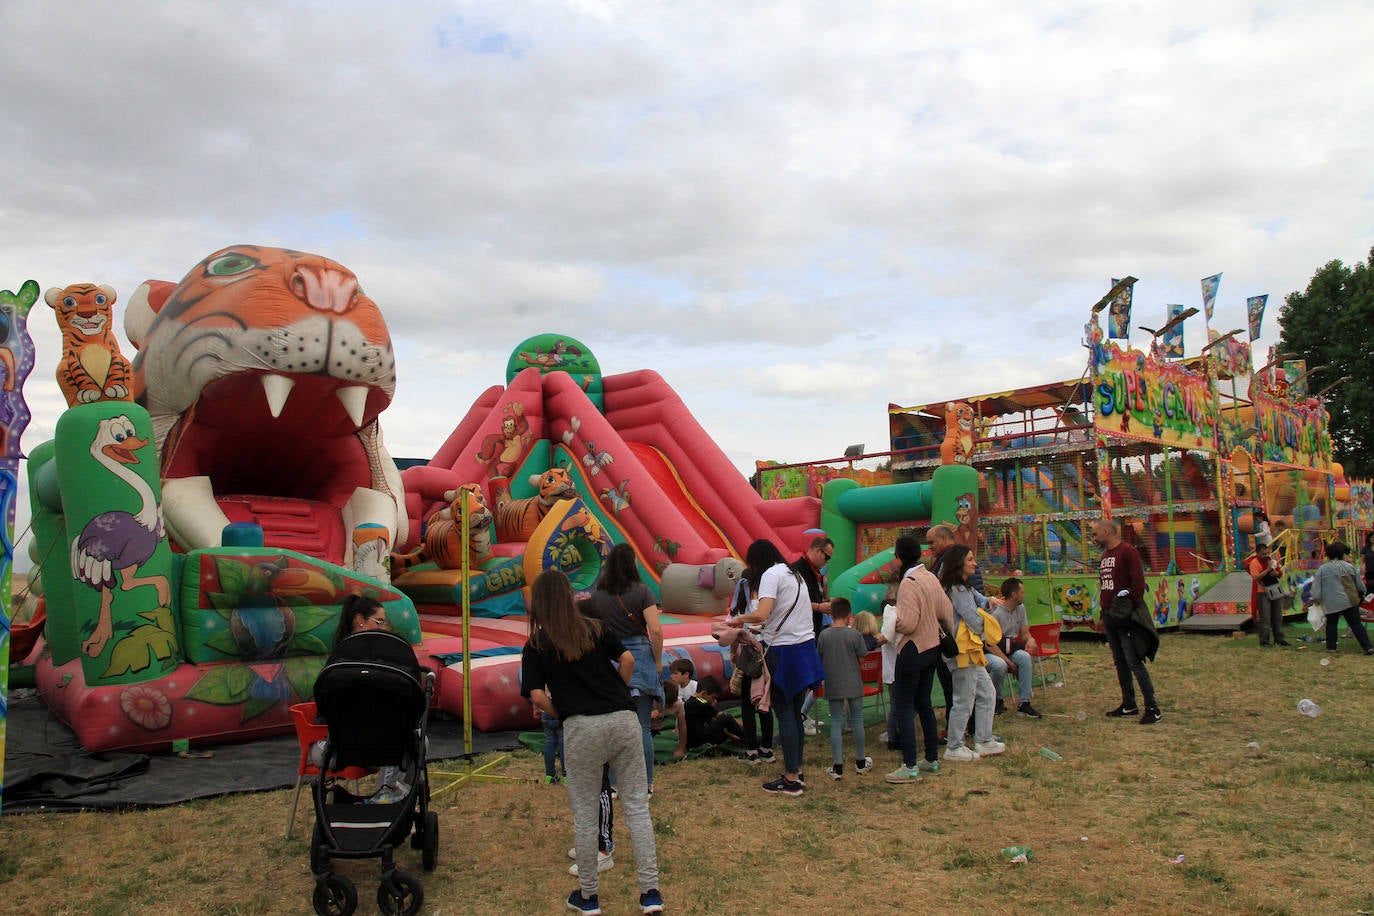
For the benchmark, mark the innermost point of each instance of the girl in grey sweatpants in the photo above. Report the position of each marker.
(588, 743)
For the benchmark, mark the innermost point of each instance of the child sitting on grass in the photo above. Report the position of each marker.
(680, 672)
(841, 647)
(706, 724)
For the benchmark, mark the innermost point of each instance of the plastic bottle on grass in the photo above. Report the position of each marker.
(1308, 708)
(1049, 754)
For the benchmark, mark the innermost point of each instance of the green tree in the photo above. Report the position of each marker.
(1331, 325)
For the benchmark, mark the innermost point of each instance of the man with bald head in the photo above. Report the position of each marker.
(1122, 578)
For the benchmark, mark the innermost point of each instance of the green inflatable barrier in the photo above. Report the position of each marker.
(120, 612)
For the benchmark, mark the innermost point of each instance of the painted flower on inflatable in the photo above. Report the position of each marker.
(146, 707)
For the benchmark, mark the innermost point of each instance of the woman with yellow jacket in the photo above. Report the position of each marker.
(972, 685)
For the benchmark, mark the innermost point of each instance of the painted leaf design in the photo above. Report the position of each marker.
(223, 685)
(301, 672)
(223, 643)
(233, 575)
(140, 649)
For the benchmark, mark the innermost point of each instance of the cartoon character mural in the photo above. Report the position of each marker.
(1072, 603)
(113, 546)
(280, 345)
(516, 519)
(443, 540)
(957, 447)
(502, 452)
(91, 368)
(966, 519)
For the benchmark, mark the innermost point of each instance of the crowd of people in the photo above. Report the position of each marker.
(589, 669)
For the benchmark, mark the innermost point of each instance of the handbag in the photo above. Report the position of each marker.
(1276, 592)
(748, 659)
(948, 647)
(1352, 591)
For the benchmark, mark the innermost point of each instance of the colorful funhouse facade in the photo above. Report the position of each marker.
(1181, 453)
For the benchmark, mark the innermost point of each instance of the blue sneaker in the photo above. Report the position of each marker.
(579, 904)
(651, 902)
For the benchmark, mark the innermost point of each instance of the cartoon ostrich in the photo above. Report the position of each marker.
(118, 541)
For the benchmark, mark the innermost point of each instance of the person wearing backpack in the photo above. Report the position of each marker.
(794, 666)
(1339, 591)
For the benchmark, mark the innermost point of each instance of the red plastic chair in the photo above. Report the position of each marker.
(1047, 646)
(871, 673)
(308, 731)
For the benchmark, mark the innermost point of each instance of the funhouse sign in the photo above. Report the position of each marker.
(1148, 399)
(1294, 434)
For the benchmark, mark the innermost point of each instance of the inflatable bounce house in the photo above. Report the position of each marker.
(203, 510)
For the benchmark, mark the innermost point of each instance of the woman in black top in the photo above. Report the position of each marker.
(569, 670)
(629, 610)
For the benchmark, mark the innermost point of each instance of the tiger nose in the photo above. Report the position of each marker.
(325, 289)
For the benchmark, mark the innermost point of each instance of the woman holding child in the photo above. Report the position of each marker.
(784, 609)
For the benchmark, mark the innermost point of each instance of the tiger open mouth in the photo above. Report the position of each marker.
(265, 370)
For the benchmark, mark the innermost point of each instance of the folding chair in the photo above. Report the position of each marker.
(308, 731)
(1047, 646)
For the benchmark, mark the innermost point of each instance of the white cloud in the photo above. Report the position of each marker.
(797, 212)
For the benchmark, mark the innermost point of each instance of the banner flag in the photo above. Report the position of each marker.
(1209, 295)
(1119, 316)
(1254, 309)
(1171, 342)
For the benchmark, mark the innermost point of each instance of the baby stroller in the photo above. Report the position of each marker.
(375, 699)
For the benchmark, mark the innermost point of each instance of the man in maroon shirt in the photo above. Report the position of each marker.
(1123, 578)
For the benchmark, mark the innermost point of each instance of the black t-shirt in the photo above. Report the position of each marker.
(623, 614)
(698, 713)
(589, 686)
(815, 589)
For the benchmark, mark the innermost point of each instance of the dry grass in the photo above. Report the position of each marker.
(1278, 828)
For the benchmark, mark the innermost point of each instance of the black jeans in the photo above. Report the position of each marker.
(1128, 663)
(912, 679)
(1352, 620)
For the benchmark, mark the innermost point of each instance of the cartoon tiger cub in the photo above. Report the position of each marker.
(516, 519)
(442, 543)
(92, 368)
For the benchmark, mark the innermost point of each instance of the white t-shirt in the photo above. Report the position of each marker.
(786, 589)
(687, 692)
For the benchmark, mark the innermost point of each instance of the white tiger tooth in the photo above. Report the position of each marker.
(354, 400)
(278, 389)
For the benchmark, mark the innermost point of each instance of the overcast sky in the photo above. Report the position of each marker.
(796, 212)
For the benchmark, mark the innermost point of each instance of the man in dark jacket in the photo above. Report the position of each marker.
(1130, 632)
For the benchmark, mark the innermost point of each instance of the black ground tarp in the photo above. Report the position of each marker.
(46, 769)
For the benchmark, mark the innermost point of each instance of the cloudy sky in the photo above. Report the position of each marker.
(796, 212)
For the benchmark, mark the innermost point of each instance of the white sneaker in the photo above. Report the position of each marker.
(603, 862)
(572, 852)
(961, 753)
(989, 748)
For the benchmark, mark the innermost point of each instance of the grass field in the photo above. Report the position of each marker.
(1235, 803)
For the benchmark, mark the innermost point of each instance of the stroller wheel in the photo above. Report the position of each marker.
(429, 853)
(319, 862)
(400, 894)
(335, 896)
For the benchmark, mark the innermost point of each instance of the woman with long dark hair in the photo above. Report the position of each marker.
(1367, 561)
(922, 607)
(794, 666)
(628, 609)
(576, 669)
(973, 687)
